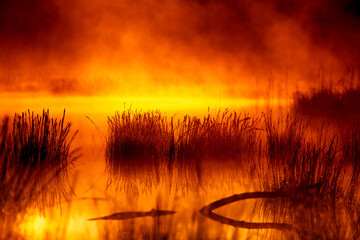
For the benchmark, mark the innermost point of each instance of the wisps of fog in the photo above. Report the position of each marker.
(173, 46)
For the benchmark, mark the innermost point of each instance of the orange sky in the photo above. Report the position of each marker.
(205, 47)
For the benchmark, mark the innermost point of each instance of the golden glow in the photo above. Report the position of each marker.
(107, 105)
(94, 58)
(148, 48)
(34, 226)
(71, 222)
(42, 227)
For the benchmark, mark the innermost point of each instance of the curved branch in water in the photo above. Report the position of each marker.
(207, 211)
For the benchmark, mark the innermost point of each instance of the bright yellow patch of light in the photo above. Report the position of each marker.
(78, 226)
(34, 226)
(108, 105)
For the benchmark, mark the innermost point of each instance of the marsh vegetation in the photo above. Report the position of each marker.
(35, 160)
(282, 155)
(303, 174)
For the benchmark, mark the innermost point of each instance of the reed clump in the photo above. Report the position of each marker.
(294, 159)
(147, 140)
(137, 135)
(35, 160)
(149, 135)
(202, 146)
(137, 144)
(226, 136)
(280, 154)
(350, 139)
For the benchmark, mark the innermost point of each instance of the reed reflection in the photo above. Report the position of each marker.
(280, 156)
(35, 159)
(302, 175)
(147, 144)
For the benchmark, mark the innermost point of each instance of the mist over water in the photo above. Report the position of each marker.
(174, 47)
(231, 78)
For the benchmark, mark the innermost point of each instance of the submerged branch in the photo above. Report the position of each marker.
(131, 215)
(207, 211)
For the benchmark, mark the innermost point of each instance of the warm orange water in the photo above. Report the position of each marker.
(92, 198)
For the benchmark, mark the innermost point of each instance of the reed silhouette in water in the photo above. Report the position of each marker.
(141, 142)
(35, 159)
(279, 153)
(282, 155)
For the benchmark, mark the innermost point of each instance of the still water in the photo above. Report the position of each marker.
(93, 193)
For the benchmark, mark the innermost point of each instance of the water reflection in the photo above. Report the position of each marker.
(188, 180)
